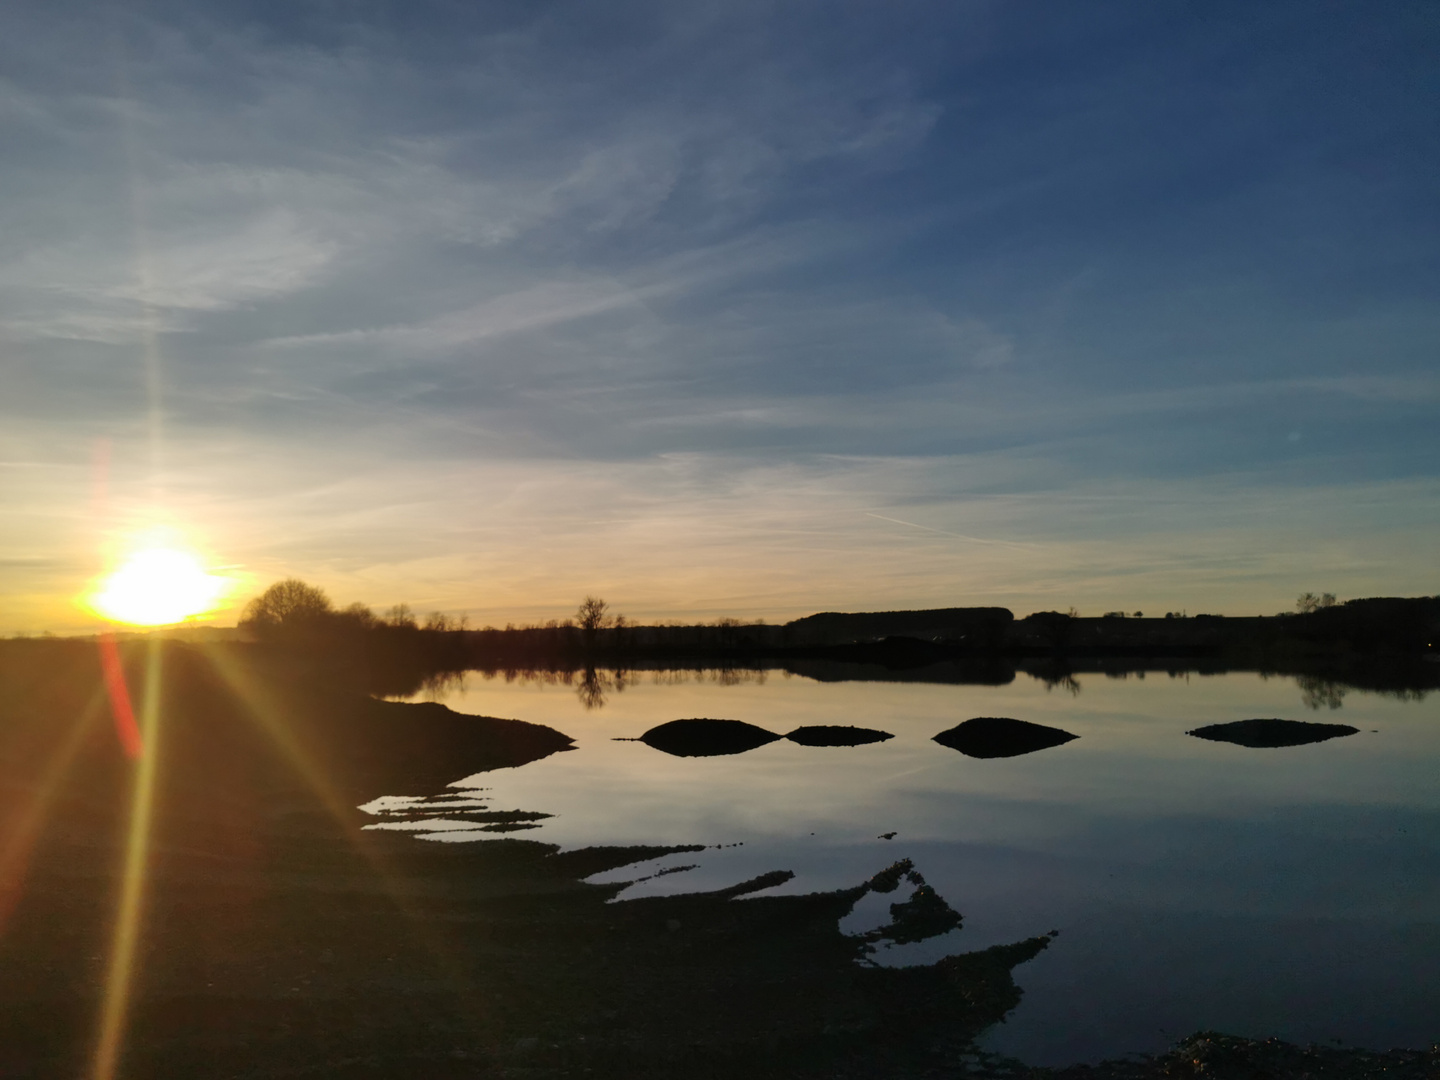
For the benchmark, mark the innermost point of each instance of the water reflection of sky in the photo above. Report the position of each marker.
(1293, 891)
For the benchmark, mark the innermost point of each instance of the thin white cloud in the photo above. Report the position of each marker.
(723, 322)
(529, 309)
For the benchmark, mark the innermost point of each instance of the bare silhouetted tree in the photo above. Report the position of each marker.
(1308, 602)
(590, 616)
(361, 616)
(438, 620)
(400, 615)
(286, 605)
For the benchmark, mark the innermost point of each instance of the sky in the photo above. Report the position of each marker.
(722, 309)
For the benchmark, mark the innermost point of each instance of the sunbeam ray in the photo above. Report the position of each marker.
(23, 829)
(120, 975)
(266, 712)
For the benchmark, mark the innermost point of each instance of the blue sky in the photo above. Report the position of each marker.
(743, 308)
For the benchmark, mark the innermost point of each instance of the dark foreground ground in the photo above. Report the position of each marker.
(279, 940)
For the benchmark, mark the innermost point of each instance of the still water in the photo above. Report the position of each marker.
(1291, 891)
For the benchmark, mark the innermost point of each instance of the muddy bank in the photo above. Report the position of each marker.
(280, 939)
(1215, 1056)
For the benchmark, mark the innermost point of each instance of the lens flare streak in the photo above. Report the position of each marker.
(268, 716)
(23, 830)
(121, 974)
(126, 729)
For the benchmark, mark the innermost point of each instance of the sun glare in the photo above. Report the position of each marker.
(157, 587)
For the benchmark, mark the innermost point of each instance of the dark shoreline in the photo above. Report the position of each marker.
(1386, 644)
(280, 939)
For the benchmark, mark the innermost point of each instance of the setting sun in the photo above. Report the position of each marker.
(157, 587)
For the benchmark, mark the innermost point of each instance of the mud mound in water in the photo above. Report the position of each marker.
(701, 737)
(836, 735)
(1264, 734)
(1000, 736)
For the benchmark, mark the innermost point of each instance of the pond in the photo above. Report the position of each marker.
(1196, 884)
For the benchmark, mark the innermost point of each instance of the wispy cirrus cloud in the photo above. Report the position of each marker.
(743, 275)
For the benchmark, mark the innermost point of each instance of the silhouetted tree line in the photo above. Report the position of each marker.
(390, 653)
(397, 651)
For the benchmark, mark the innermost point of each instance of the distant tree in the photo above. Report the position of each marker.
(287, 605)
(361, 616)
(400, 615)
(1139, 614)
(590, 616)
(1308, 602)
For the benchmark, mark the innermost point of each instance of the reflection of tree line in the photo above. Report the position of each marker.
(1379, 645)
(592, 685)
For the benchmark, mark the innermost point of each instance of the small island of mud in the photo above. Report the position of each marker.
(1001, 737)
(1271, 734)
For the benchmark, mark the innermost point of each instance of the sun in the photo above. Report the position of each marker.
(156, 587)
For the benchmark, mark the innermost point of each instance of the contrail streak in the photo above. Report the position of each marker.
(958, 536)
